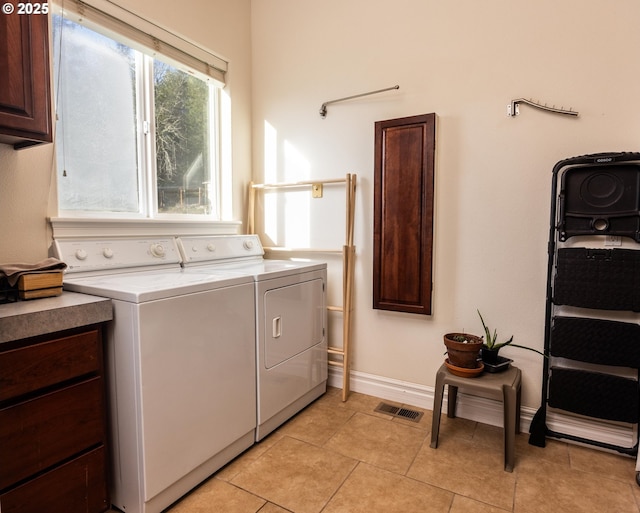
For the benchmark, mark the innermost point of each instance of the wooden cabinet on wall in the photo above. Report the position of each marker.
(25, 99)
(53, 425)
(403, 214)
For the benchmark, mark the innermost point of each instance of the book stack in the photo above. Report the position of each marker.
(35, 285)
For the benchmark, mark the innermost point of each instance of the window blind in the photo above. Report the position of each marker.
(144, 35)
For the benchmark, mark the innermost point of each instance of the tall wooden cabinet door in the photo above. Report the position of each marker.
(25, 102)
(403, 214)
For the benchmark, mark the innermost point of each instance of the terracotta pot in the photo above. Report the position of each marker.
(463, 354)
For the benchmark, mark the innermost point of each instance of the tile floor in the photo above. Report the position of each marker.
(336, 457)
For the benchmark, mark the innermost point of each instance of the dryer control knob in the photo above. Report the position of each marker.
(81, 254)
(248, 244)
(157, 250)
(107, 253)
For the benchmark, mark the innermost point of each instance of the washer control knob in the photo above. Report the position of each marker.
(211, 247)
(107, 253)
(248, 244)
(81, 254)
(157, 250)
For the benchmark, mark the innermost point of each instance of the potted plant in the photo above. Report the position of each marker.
(463, 349)
(491, 346)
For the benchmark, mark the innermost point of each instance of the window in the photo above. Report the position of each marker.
(137, 131)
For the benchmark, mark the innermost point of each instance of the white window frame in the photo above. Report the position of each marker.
(114, 21)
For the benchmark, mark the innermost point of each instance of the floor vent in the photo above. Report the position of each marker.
(398, 411)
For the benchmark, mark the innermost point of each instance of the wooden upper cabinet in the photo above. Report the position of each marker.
(25, 99)
(403, 214)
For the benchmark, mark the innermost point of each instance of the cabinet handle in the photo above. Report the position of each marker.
(276, 327)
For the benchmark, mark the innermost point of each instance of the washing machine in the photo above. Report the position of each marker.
(291, 321)
(180, 363)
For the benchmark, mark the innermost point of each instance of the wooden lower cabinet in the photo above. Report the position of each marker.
(53, 425)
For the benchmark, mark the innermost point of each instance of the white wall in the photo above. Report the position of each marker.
(464, 60)
(27, 177)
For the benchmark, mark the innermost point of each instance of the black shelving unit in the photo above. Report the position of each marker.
(592, 315)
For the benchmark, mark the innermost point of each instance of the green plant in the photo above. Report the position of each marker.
(492, 343)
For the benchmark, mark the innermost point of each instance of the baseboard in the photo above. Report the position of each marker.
(480, 409)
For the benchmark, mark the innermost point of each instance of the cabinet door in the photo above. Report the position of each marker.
(78, 486)
(403, 214)
(25, 103)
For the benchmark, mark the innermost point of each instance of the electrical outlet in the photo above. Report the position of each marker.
(613, 240)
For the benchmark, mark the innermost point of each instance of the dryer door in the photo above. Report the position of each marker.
(293, 320)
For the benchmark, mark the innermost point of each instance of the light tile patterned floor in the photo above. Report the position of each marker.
(337, 457)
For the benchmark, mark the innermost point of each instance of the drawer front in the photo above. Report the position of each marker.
(39, 433)
(79, 486)
(40, 365)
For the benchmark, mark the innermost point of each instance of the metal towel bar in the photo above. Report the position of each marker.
(323, 108)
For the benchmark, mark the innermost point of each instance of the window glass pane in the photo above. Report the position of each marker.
(183, 161)
(96, 132)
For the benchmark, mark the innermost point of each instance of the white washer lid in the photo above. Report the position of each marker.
(268, 269)
(142, 286)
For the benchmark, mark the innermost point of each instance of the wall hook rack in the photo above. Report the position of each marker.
(513, 109)
(323, 107)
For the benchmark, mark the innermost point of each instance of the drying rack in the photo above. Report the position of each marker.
(337, 356)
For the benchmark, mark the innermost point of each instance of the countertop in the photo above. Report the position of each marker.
(24, 319)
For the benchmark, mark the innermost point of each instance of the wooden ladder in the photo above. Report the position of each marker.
(337, 356)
